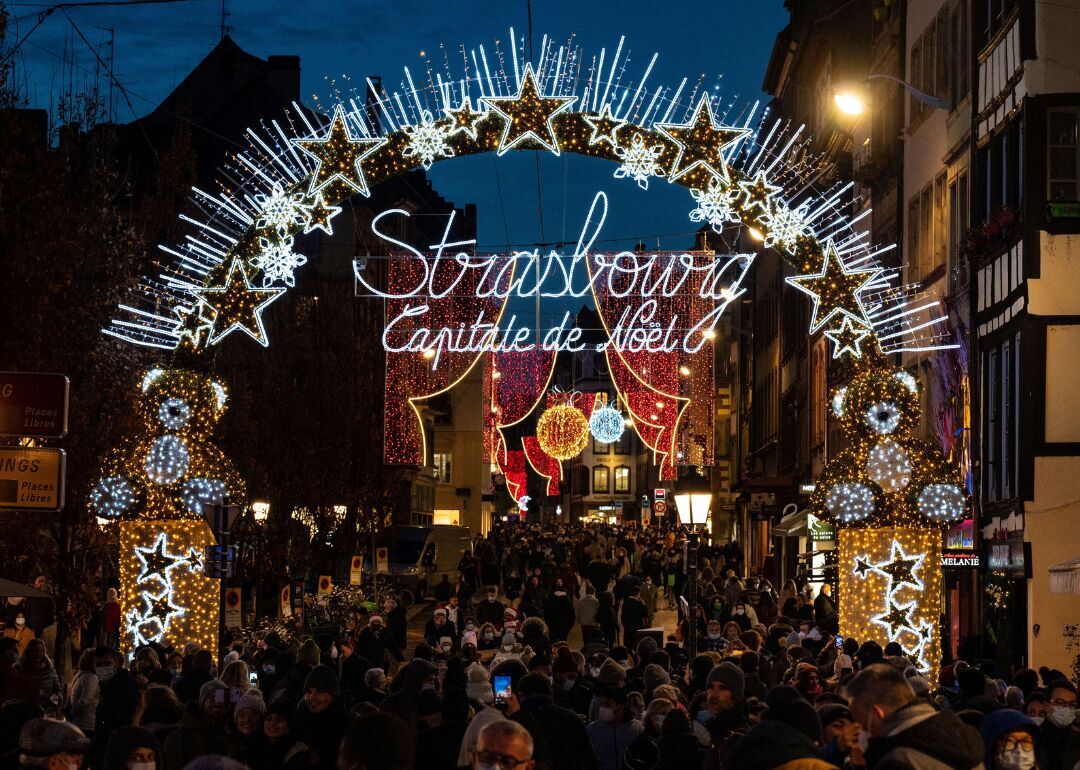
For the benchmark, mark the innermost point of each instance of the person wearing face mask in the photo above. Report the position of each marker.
(201, 729)
(787, 735)
(1059, 731)
(19, 631)
(418, 676)
(1011, 741)
(46, 744)
(119, 696)
(653, 718)
(898, 730)
(490, 609)
(438, 627)
(563, 731)
(613, 730)
(376, 645)
(133, 748)
(85, 694)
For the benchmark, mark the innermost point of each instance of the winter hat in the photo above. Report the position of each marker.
(323, 678)
(45, 737)
(253, 700)
(833, 712)
(209, 688)
(730, 677)
(308, 653)
(440, 611)
(1002, 721)
(232, 657)
(646, 646)
(918, 682)
(478, 686)
(508, 640)
(611, 674)
(655, 676)
(509, 614)
(787, 706)
(284, 708)
(469, 637)
(564, 662)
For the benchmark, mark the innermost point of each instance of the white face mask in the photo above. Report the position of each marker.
(1015, 759)
(863, 741)
(1062, 716)
(142, 765)
(20, 622)
(104, 673)
(714, 635)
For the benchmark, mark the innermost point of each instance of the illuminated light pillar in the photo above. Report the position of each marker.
(890, 590)
(164, 594)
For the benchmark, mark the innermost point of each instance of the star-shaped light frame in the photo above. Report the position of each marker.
(896, 619)
(339, 155)
(232, 312)
(605, 126)
(319, 215)
(528, 114)
(464, 119)
(835, 289)
(156, 561)
(701, 143)
(847, 338)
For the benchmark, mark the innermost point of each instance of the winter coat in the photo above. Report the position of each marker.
(397, 623)
(490, 611)
(119, 699)
(285, 753)
(403, 702)
(577, 698)
(565, 733)
(609, 741)
(433, 633)
(634, 618)
(586, 609)
(322, 733)
(919, 736)
(559, 614)
(1061, 746)
(194, 737)
(376, 647)
(680, 751)
(773, 744)
(84, 699)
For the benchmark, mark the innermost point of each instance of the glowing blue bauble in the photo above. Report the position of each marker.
(112, 496)
(942, 502)
(198, 492)
(174, 413)
(606, 424)
(168, 459)
(889, 465)
(849, 502)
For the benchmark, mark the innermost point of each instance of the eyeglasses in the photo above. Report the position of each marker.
(1058, 703)
(1011, 744)
(499, 760)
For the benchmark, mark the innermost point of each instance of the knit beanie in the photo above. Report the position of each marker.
(646, 646)
(210, 687)
(323, 678)
(253, 700)
(833, 712)
(308, 653)
(655, 676)
(611, 674)
(787, 706)
(730, 677)
(284, 708)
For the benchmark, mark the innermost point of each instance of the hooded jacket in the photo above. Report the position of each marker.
(920, 736)
(1005, 721)
(774, 744)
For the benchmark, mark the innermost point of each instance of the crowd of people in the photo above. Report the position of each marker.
(557, 647)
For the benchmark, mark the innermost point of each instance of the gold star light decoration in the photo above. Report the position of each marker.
(604, 127)
(318, 215)
(835, 290)
(339, 155)
(701, 143)
(528, 116)
(464, 119)
(847, 338)
(238, 305)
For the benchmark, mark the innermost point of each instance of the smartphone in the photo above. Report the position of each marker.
(253, 678)
(502, 691)
(839, 642)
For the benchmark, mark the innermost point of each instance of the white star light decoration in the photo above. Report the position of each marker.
(700, 154)
(605, 127)
(639, 161)
(277, 261)
(339, 145)
(427, 141)
(464, 118)
(715, 205)
(528, 97)
(786, 225)
(848, 338)
(900, 572)
(279, 210)
(151, 622)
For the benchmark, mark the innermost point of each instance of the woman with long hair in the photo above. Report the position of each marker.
(35, 663)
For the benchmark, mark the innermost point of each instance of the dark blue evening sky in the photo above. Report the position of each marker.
(156, 45)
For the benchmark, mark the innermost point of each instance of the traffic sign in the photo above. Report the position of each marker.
(32, 478)
(660, 493)
(232, 608)
(33, 405)
(382, 561)
(356, 570)
(660, 507)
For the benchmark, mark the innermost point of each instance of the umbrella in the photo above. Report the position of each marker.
(11, 588)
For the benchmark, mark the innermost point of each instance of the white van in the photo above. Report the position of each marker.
(422, 555)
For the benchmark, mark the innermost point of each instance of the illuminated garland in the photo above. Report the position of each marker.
(606, 424)
(563, 431)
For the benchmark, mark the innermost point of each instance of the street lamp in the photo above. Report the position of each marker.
(693, 499)
(850, 101)
(260, 510)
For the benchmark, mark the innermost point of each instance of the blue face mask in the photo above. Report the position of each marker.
(704, 716)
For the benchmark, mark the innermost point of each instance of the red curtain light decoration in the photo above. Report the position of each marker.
(668, 394)
(513, 465)
(512, 395)
(544, 464)
(411, 376)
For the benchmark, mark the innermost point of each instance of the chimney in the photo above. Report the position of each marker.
(283, 72)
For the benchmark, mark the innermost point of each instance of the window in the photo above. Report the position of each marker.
(622, 479)
(625, 443)
(958, 86)
(941, 229)
(1062, 164)
(600, 447)
(928, 229)
(441, 464)
(1000, 415)
(958, 226)
(600, 481)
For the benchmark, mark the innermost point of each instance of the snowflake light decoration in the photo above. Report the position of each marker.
(279, 209)
(639, 161)
(606, 424)
(715, 205)
(277, 261)
(786, 225)
(427, 141)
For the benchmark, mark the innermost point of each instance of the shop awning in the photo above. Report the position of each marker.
(11, 588)
(1065, 577)
(792, 525)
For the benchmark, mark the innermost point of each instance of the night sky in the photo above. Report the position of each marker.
(156, 45)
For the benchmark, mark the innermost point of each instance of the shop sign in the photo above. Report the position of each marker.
(820, 531)
(968, 559)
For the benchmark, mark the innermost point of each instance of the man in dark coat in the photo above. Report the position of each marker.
(374, 644)
(397, 623)
(1059, 731)
(198, 674)
(905, 731)
(563, 730)
(119, 696)
(559, 613)
(789, 731)
(321, 718)
(490, 610)
(634, 617)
